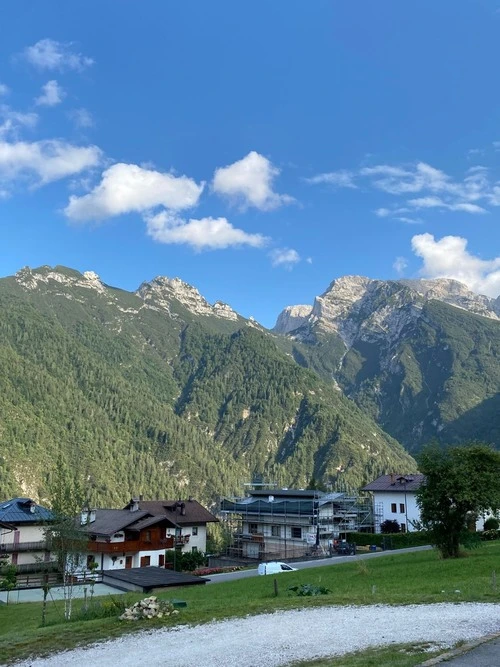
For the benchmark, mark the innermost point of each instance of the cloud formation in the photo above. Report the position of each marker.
(127, 188)
(42, 162)
(52, 94)
(340, 179)
(400, 265)
(249, 182)
(284, 257)
(12, 122)
(204, 234)
(82, 118)
(421, 186)
(4, 90)
(48, 54)
(449, 258)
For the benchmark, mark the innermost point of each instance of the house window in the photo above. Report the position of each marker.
(145, 561)
(161, 560)
(394, 508)
(194, 530)
(297, 532)
(276, 531)
(403, 527)
(90, 561)
(401, 508)
(194, 549)
(253, 528)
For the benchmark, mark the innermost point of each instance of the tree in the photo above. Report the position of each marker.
(459, 481)
(64, 533)
(8, 577)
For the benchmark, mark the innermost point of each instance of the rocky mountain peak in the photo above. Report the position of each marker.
(292, 317)
(32, 279)
(358, 307)
(162, 290)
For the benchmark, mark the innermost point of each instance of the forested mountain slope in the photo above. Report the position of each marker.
(161, 393)
(422, 358)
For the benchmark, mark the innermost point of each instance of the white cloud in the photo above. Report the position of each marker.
(52, 55)
(4, 90)
(409, 221)
(204, 234)
(400, 264)
(45, 161)
(449, 258)
(125, 188)
(285, 257)
(435, 189)
(249, 182)
(81, 117)
(11, 122)
(340, 179)
(52, 94)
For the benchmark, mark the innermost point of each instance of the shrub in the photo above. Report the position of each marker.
(491, 523)
(491, 534)
(307, 590)
(390, 526)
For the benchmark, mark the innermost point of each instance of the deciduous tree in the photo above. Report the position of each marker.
(459, 482)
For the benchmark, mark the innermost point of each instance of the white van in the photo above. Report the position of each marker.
(275, 568)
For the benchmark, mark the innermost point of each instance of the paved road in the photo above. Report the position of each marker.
(302, 565)
(485, 655)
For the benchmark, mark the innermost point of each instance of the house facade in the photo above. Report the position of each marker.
(189, 519)
(284, 523)
(394, 499)
(140, 534)
(22, 535)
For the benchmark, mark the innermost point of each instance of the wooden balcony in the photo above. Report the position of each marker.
(128, 546)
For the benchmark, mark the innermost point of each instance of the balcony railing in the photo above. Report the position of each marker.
(11, 547)
(130, 546)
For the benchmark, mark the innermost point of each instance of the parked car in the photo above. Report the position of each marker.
(275, 568)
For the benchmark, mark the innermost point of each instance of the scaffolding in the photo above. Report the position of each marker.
(286, 524)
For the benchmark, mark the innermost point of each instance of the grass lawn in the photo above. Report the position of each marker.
(419, 577)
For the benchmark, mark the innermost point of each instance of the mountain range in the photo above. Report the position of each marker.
(161, 393)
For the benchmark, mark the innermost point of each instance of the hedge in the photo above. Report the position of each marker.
(392, 541)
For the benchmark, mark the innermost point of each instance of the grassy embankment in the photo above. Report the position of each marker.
(419, 577)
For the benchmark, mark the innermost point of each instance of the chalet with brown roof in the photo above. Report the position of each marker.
(139, 534)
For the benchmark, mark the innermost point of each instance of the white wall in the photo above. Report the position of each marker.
(383, 501)
(199, 541)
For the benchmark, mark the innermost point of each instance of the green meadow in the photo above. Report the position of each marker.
(399, 579)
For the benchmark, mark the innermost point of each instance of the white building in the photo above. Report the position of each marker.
(394, 499)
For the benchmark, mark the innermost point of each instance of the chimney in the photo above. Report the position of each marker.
(91, 517)
(392, 479)
(84, 517)
(141, 497)
(134, 505)
(190, 499)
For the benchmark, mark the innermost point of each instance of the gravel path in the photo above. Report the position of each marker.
(282, 637)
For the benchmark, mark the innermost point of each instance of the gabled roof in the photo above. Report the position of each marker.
(181, 512)
(108, 522)
(396, 482)
(24, 511)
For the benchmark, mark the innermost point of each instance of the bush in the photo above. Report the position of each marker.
(307, 590)
(390, 526)
(396, 540)
(491, 534)
(491, 523)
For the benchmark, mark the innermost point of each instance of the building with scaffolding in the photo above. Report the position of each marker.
(271, 524)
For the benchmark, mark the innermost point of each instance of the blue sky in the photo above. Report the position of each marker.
(257, 150)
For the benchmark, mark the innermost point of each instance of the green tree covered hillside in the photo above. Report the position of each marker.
(132, 395)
